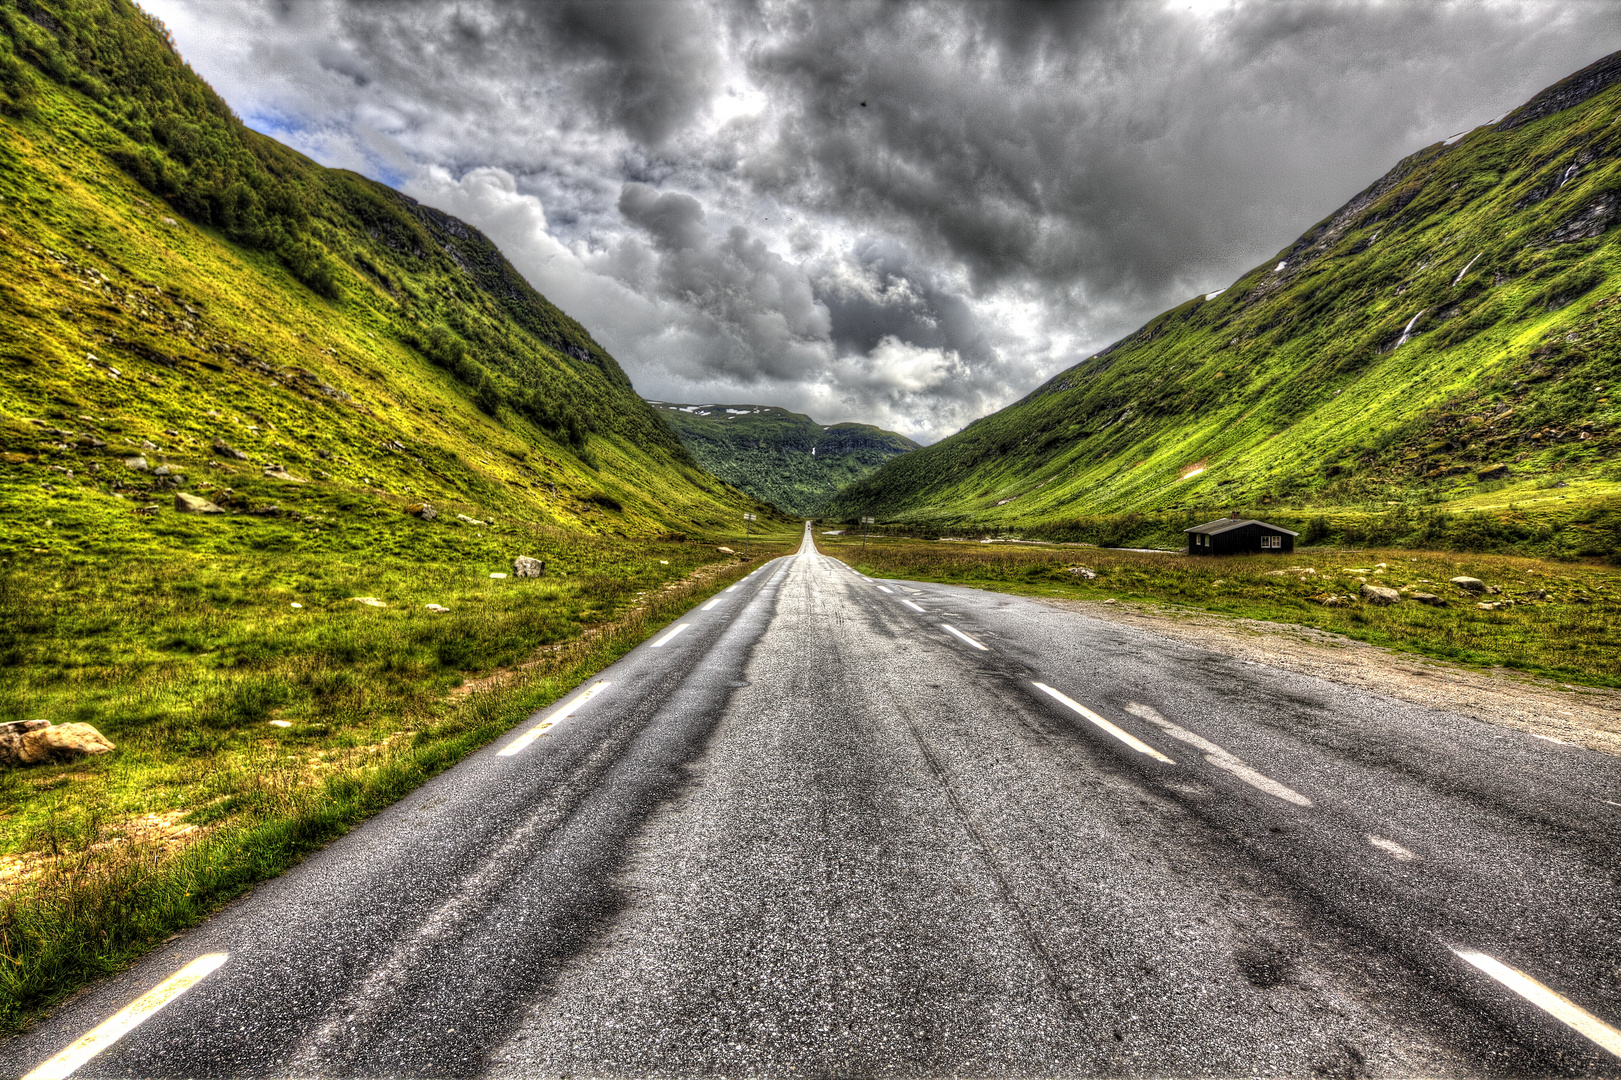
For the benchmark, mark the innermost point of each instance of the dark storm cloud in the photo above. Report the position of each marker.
(901, 213)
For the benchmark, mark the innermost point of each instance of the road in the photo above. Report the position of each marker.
(825, 825)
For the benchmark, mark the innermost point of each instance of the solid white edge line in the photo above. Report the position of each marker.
(965, 637)
(539, 729)
(1124, 736)
(127, 1019)
(882, 589)
(1551, 1002)
(909, 604)
(667, 638)
(711, 604)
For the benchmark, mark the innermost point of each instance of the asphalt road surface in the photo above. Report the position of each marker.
(830, 826)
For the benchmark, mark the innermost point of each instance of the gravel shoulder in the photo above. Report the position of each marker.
(1580, 715)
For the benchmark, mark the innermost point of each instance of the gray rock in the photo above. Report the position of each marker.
(1430, 599)
(223, 447)
(195, 504)
(1088, 573)
(1378, 594)
(1468, 584)
(435, 608)
(422, 510)
(527, 566)
(137, 463)
(278, 473)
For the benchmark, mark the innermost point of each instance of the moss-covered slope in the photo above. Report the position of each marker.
(178, 291)
(1449, 339)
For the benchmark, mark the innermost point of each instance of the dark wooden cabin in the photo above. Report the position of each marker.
(1239, 536)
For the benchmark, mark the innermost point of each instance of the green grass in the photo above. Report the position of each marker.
(1288, 395)
(184, 662)
(1573, 635)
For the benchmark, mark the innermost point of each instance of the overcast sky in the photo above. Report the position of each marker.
(903, 214)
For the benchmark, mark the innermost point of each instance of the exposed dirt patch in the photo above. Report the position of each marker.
(157, 833)
(1585, 716)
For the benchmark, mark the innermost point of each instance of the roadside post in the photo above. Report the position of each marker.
(864, 523)
(746, 519)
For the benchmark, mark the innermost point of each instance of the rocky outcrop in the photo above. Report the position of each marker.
(1469, 584)
(528, 566)
(35, 742)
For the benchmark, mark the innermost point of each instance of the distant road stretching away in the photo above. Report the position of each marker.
(824, 825)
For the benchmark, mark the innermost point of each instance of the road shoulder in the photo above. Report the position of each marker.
(1584, 716)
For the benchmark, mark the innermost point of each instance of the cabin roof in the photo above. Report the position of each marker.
(1221, 525)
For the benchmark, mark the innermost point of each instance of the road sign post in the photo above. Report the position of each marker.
(864, 523)
(746, 519)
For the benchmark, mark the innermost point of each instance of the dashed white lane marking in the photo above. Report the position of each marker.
(739, 585)
(711, 604)
(909, 604)
(1549, 738)
(883, 589)
(953, 630)
(540, 729)
(1607, 801)
(667, 638)
(1554, 1004)
(1395, 850)
(1124, 736)
(128, 1018)
(1219, 756)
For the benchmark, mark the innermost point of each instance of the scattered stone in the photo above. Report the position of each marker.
(1111, 600)
(195, 504)
(278, 473)
(422, 510)
(369, 601)
(33, 742)
(280, 723)
(1378, 594)
(527, 566)
(1468, 584)
(1331, 599)
(726, 551)
(468, 520)
(1082, 572)
(435, 608)
(138, 463)
(229, 451)
(297, 606)
(1430, 599)
(1487, 607)
(164, 470)
(1492, 472)
(498, 575)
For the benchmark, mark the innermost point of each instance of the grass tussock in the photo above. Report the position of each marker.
(1564, 621)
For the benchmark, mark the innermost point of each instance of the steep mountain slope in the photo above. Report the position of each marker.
(785, 458)
(1449, 340)
(301, 345)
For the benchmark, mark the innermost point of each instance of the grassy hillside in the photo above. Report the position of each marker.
(189, 308)
(1435, 362)
(784, 458)
(178, 287)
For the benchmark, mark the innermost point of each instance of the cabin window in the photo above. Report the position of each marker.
(1272, 542)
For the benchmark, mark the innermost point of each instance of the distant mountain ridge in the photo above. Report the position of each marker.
(781, 457)
(1441, 352)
